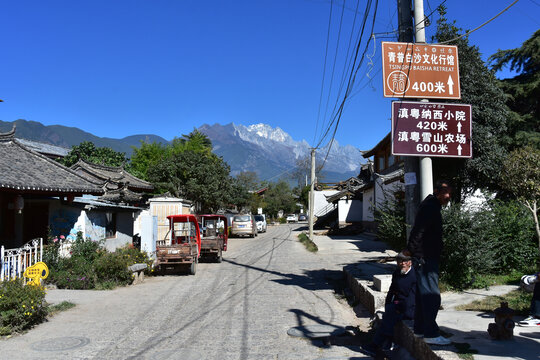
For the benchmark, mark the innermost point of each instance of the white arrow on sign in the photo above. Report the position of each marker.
(459, 127)
(459, 149)
(450, 85)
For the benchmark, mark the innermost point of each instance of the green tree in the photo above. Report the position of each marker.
(243, 194)
(187, 168)
(96, 155)
(522, 91)
(193, 176)
(521, 176)
(145, 157)
(480, 88)
(279, 196)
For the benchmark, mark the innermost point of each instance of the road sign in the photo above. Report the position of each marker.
(431, 129)
(420, 71)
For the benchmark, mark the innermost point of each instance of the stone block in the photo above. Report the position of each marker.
(382, 282)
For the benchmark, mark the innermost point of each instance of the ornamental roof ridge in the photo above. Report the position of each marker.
(101, 166)
(119, 174)
(77, 183)
(8, 136)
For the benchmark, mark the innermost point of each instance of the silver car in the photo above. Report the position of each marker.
(243, 225)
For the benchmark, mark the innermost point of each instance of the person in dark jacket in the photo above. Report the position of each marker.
(399, 304)
(425, 245)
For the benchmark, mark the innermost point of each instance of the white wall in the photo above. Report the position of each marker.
(320, 199)
(376, 196)
(367, 205)
(349, 211)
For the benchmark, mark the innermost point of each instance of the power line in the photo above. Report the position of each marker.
(348, 60)
(354, 70)
(324, 72)
(335, 60)
(480, 26)
(350, 86)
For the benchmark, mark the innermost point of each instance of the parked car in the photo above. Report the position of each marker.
(244, 225)
(260, 220)
(291, 218)
(302, 217)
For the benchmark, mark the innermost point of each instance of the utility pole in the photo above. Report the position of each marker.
(412, 168)
(426, 171)
(312, 195)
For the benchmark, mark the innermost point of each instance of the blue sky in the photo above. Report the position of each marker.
(125, 67)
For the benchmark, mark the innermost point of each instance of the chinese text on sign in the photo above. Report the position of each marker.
(431, 129)
(420, 71)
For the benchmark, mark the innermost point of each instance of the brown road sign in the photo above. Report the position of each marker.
(431, 129)
(420, 71)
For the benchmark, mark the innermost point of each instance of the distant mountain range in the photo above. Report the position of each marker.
(270, 152)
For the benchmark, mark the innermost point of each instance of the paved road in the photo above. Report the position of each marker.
(239, 309)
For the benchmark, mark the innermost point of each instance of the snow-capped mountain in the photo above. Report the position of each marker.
(271, 151)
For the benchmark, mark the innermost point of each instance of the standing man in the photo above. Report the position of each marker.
(425, 246)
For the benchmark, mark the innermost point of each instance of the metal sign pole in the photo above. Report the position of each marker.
(426, 171)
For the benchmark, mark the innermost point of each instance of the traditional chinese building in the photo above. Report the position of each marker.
(386, 179)
(28, 182)
(356, 199)
(118, 185)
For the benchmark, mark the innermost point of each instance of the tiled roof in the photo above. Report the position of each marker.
(25, 170)
(92, 202)
(109, 175)
(45, 149)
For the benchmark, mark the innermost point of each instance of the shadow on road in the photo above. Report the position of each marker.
(321, 279)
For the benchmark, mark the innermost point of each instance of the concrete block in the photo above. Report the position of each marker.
(382, 282)
(365, 293)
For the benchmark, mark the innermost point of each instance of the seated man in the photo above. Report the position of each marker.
(530, 283)
(399, 305)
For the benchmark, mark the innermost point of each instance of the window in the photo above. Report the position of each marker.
(380, 163)
(391, 160)
(110, 225)
(241, 218)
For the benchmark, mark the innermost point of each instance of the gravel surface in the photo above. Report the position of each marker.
(239, 309)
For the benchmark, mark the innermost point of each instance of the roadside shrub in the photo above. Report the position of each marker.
(496, 239)
(86, 248)
(21, 307)
(461, 248)
(74, 272)
(390, 219)
(111, 268)
(135, 256)
(90, 266)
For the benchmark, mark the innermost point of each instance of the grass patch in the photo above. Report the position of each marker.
(518, 300)
(310, 245)
(485, 281)
(63, 306)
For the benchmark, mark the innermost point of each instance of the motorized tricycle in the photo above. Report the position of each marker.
(214, 236)
(182, 246)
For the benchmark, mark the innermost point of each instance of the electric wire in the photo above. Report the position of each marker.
(480, 26)
(351, 76)
(348, 59)
(349, 87)
(335, 59)
(324, 72)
